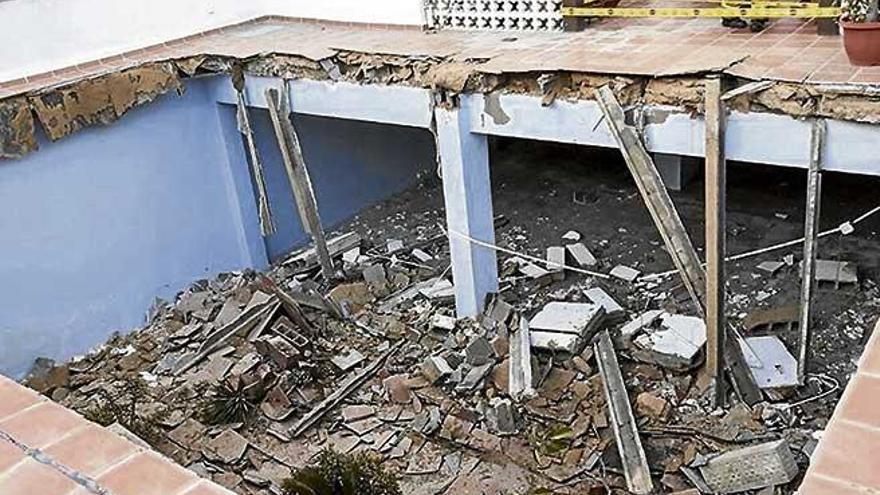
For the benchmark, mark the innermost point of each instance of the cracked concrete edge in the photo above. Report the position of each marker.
(104, 98)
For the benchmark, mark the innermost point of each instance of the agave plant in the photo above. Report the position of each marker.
(230, 401)
(340, 474)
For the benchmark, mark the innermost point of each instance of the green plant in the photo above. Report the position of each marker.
(333, 473)
(859, 10)
(230, 401)
(122, 406)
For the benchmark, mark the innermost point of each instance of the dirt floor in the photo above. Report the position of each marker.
(440, 436)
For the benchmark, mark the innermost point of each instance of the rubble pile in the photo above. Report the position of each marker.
(247, 377)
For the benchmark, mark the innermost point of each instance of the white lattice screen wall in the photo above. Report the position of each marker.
(517, 15)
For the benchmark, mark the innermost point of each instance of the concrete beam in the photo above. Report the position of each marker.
(676, 170)
(464, 162)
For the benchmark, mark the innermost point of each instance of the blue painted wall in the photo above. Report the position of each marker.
(352, 164)
(96, 225)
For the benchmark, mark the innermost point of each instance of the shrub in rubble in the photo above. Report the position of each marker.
(333, 473)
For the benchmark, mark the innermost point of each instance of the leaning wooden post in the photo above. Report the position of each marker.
(716, 222)
(656, 197)
(811, 232)
(300, 183)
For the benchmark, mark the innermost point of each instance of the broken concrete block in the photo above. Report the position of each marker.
(556, 260)
(631, 329)
(422, 256)
(442, 322)
(356, 294)
(613, 310)
(676, 345)
(428, 421)
(841, 272)
(479, 352)
(374, 276)
(555, 341)
(572, 236)
(567, 317)
(348, 360)
(770, 267)
(352, 256)
(440, 290)
(625, 273)
(582, 256)
(278, 349)
(435, 368)
(474, 377)
(751, 468)
(770, 363)
(394, 245)
(501, 416)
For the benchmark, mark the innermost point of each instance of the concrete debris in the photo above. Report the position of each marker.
(625, 273)
(571, 236)
(677, 344)
(479, 352)
(770, 363)
(566, 326)
(228, 447)
(839, 272)
(347, 361)
(421, 255)
(394, 246)
(398, 389)
(435, 369)
(501, 416)
(555, 262)
(278, 349)
(770, 267)
(582, 256)
(355, 413)
(443, 322)
(614, 312)
(751, 468)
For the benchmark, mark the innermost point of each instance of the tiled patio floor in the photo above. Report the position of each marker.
(847, 459)
(789, 49)
(73, 450)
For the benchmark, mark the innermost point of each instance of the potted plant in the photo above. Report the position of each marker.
(861, 31)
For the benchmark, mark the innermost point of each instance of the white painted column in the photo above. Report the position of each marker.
(464, 162)
(676, 170)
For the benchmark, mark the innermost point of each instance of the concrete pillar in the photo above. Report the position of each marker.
(676, 170)
(464, 162)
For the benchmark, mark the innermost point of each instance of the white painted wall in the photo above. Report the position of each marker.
(43, 35)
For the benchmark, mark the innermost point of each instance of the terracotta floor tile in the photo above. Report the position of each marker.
(815, 485)
(43, 425)
(207, 488)
(861, 402)
(870, 360)
(91, 450)
(10, 455)
(14, 398)
(32, 478)
(849, 452)
(147, 474)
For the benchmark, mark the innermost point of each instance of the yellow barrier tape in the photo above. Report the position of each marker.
(748, 12)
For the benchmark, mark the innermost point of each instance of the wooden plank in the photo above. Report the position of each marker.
(811, 232)
(300, 182)
(626, 434)
(264, 211)
(716, 225)
(344, 390)
(656, 197)
(520, 377)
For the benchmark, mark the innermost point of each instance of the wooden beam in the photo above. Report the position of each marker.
(623, 423)
(267, 226)
(656, 198)
(716, 221)
(298, 174)
(811, 232)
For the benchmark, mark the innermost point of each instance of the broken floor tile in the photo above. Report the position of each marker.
(228, 447)
(842, 272)
(567, 317)
(479, 352)
(770, 267)
(582, 256)
(354, 413)
(435, 369)
(455, 429)
(675, 345)
(770, 363)
(613, 310)
(625, 273)
(347, 360)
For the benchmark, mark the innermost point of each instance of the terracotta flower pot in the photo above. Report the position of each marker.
(862, 42)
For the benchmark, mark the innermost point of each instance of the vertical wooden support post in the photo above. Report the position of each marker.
(300, 183)
(656, 197)
(811, 232)
(716, 219)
